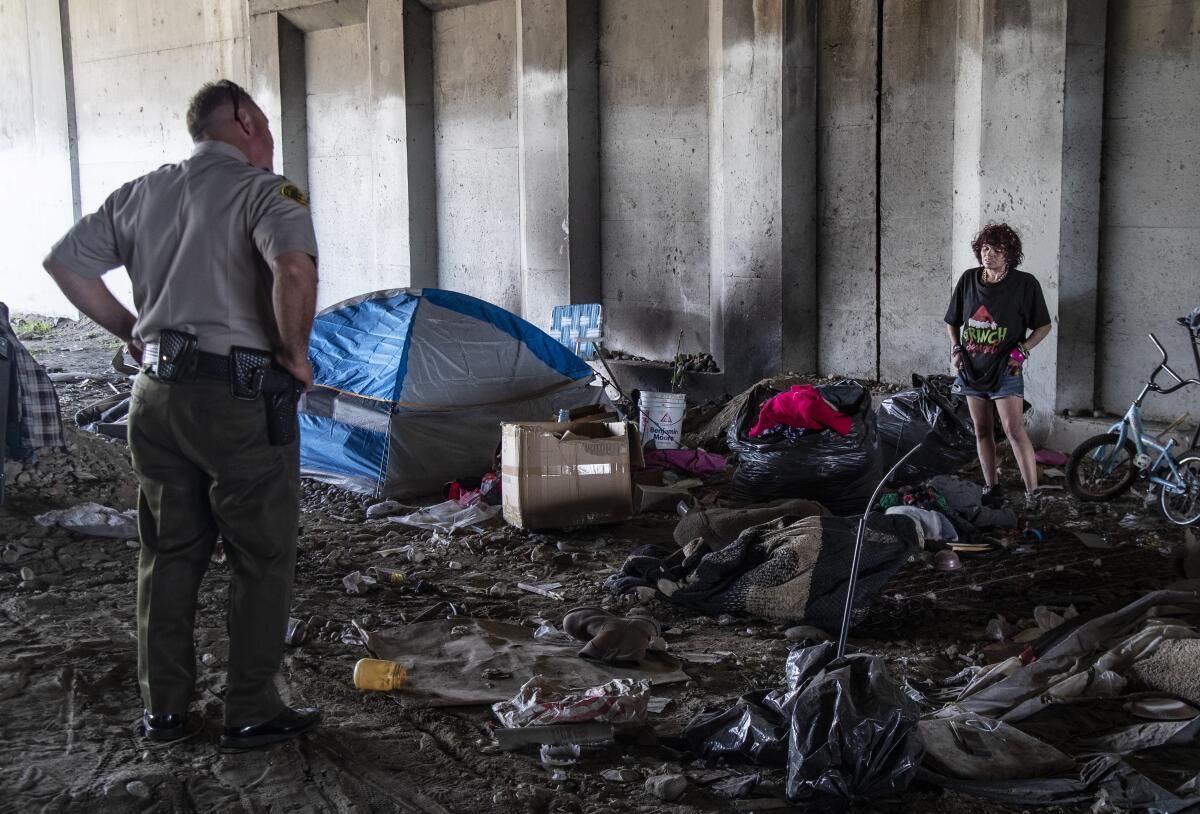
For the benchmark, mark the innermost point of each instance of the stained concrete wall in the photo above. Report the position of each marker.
(847, 299)
(340, 177)
(476, 145)
(135, 69)
(1150, 241)
(35, 159)
(654, 174)
(916, 185)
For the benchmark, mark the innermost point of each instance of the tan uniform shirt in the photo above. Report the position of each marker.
(196, 238)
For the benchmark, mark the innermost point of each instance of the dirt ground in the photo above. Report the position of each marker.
(70, 713)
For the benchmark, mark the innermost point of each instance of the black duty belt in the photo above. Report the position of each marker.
(209, 365)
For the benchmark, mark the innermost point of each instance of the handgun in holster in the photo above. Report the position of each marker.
(253, 373)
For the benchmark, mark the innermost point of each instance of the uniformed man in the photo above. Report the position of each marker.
(222, 256)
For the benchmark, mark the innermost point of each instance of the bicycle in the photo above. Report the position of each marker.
(1105, 466)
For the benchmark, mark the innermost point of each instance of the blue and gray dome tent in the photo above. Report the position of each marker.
(412, 385)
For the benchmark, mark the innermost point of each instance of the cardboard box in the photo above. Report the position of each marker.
(570, 474)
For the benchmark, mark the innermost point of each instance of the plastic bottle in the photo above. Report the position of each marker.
(379, 675)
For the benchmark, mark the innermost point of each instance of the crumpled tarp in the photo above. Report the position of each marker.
(843, 727)
(1140, 749)
(446, 659)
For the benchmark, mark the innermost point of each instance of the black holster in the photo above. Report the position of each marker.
(253, 373)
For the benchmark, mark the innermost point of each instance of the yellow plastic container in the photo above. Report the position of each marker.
(378, 675)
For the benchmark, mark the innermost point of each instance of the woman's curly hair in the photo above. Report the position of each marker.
(999, 236)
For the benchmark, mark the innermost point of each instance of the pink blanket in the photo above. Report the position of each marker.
(802, 406)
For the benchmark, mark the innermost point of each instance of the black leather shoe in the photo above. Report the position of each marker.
(167, 727)
(287, 724)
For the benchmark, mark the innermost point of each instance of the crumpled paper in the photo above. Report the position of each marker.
(543, 703)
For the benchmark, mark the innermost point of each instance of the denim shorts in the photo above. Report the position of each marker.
(1010, 384)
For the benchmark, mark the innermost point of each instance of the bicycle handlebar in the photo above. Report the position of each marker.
(1164, 366)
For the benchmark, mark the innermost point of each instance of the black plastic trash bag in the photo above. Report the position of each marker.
(846, 731)
(931, 417)
(837, 471)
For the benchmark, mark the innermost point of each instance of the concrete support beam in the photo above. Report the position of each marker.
(38, 157)
(558, 159)
(1031, 80)
(916, 185)
(419, 146)
(763, 170)
(403, 235)
(847, 188)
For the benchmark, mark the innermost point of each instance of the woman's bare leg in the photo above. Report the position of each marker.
(985, 438)
(1013, 421)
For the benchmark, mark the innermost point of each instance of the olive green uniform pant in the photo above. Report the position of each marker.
(205, 467)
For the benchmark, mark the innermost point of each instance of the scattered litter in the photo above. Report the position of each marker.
(622, 775)
(385, 508)
(737, 786)
(806, 633)
(1093, 540)
(667, 787)
(358, 583)
(1051, 472)
(297, 632)
(566, 754)
(1050, 457)
(593, 732)
(379, 675)
(93, 520)
(657, 704)
(546, 589)
(541, 703)
(449, 516)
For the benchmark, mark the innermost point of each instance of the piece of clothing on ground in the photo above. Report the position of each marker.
(804, 407)
(33, 420)
(934, 525)
(720, 526)
(788, 570)
(694, 462)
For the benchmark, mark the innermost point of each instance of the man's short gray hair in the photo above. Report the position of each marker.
(208, 100)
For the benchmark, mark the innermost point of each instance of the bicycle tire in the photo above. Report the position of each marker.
(1184, 510)
(1084, 456)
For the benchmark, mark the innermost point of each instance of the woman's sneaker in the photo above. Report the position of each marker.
(1033, 501)
(993, 496)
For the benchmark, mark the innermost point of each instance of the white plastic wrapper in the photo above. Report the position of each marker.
(449, 516)
(542, 703)
(93, 520)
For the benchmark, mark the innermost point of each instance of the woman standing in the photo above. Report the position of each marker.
(997, 316)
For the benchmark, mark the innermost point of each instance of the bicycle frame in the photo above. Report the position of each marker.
(1142, 442)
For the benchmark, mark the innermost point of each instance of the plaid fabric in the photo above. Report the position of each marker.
(33, 417)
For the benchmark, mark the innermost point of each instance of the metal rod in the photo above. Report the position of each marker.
(858, 544)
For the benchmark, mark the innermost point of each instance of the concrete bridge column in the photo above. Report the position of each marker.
(1028, 121)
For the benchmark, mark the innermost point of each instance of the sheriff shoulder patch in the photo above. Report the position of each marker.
(292, 191)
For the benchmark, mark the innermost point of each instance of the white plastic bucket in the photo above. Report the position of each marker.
(660, 418)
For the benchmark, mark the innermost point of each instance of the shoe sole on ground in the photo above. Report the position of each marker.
(254, 741)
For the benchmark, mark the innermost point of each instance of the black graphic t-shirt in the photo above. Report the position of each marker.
(992, 318)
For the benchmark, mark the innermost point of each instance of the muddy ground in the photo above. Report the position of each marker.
(70, 712)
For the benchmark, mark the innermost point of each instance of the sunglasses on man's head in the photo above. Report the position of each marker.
(235, 95)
